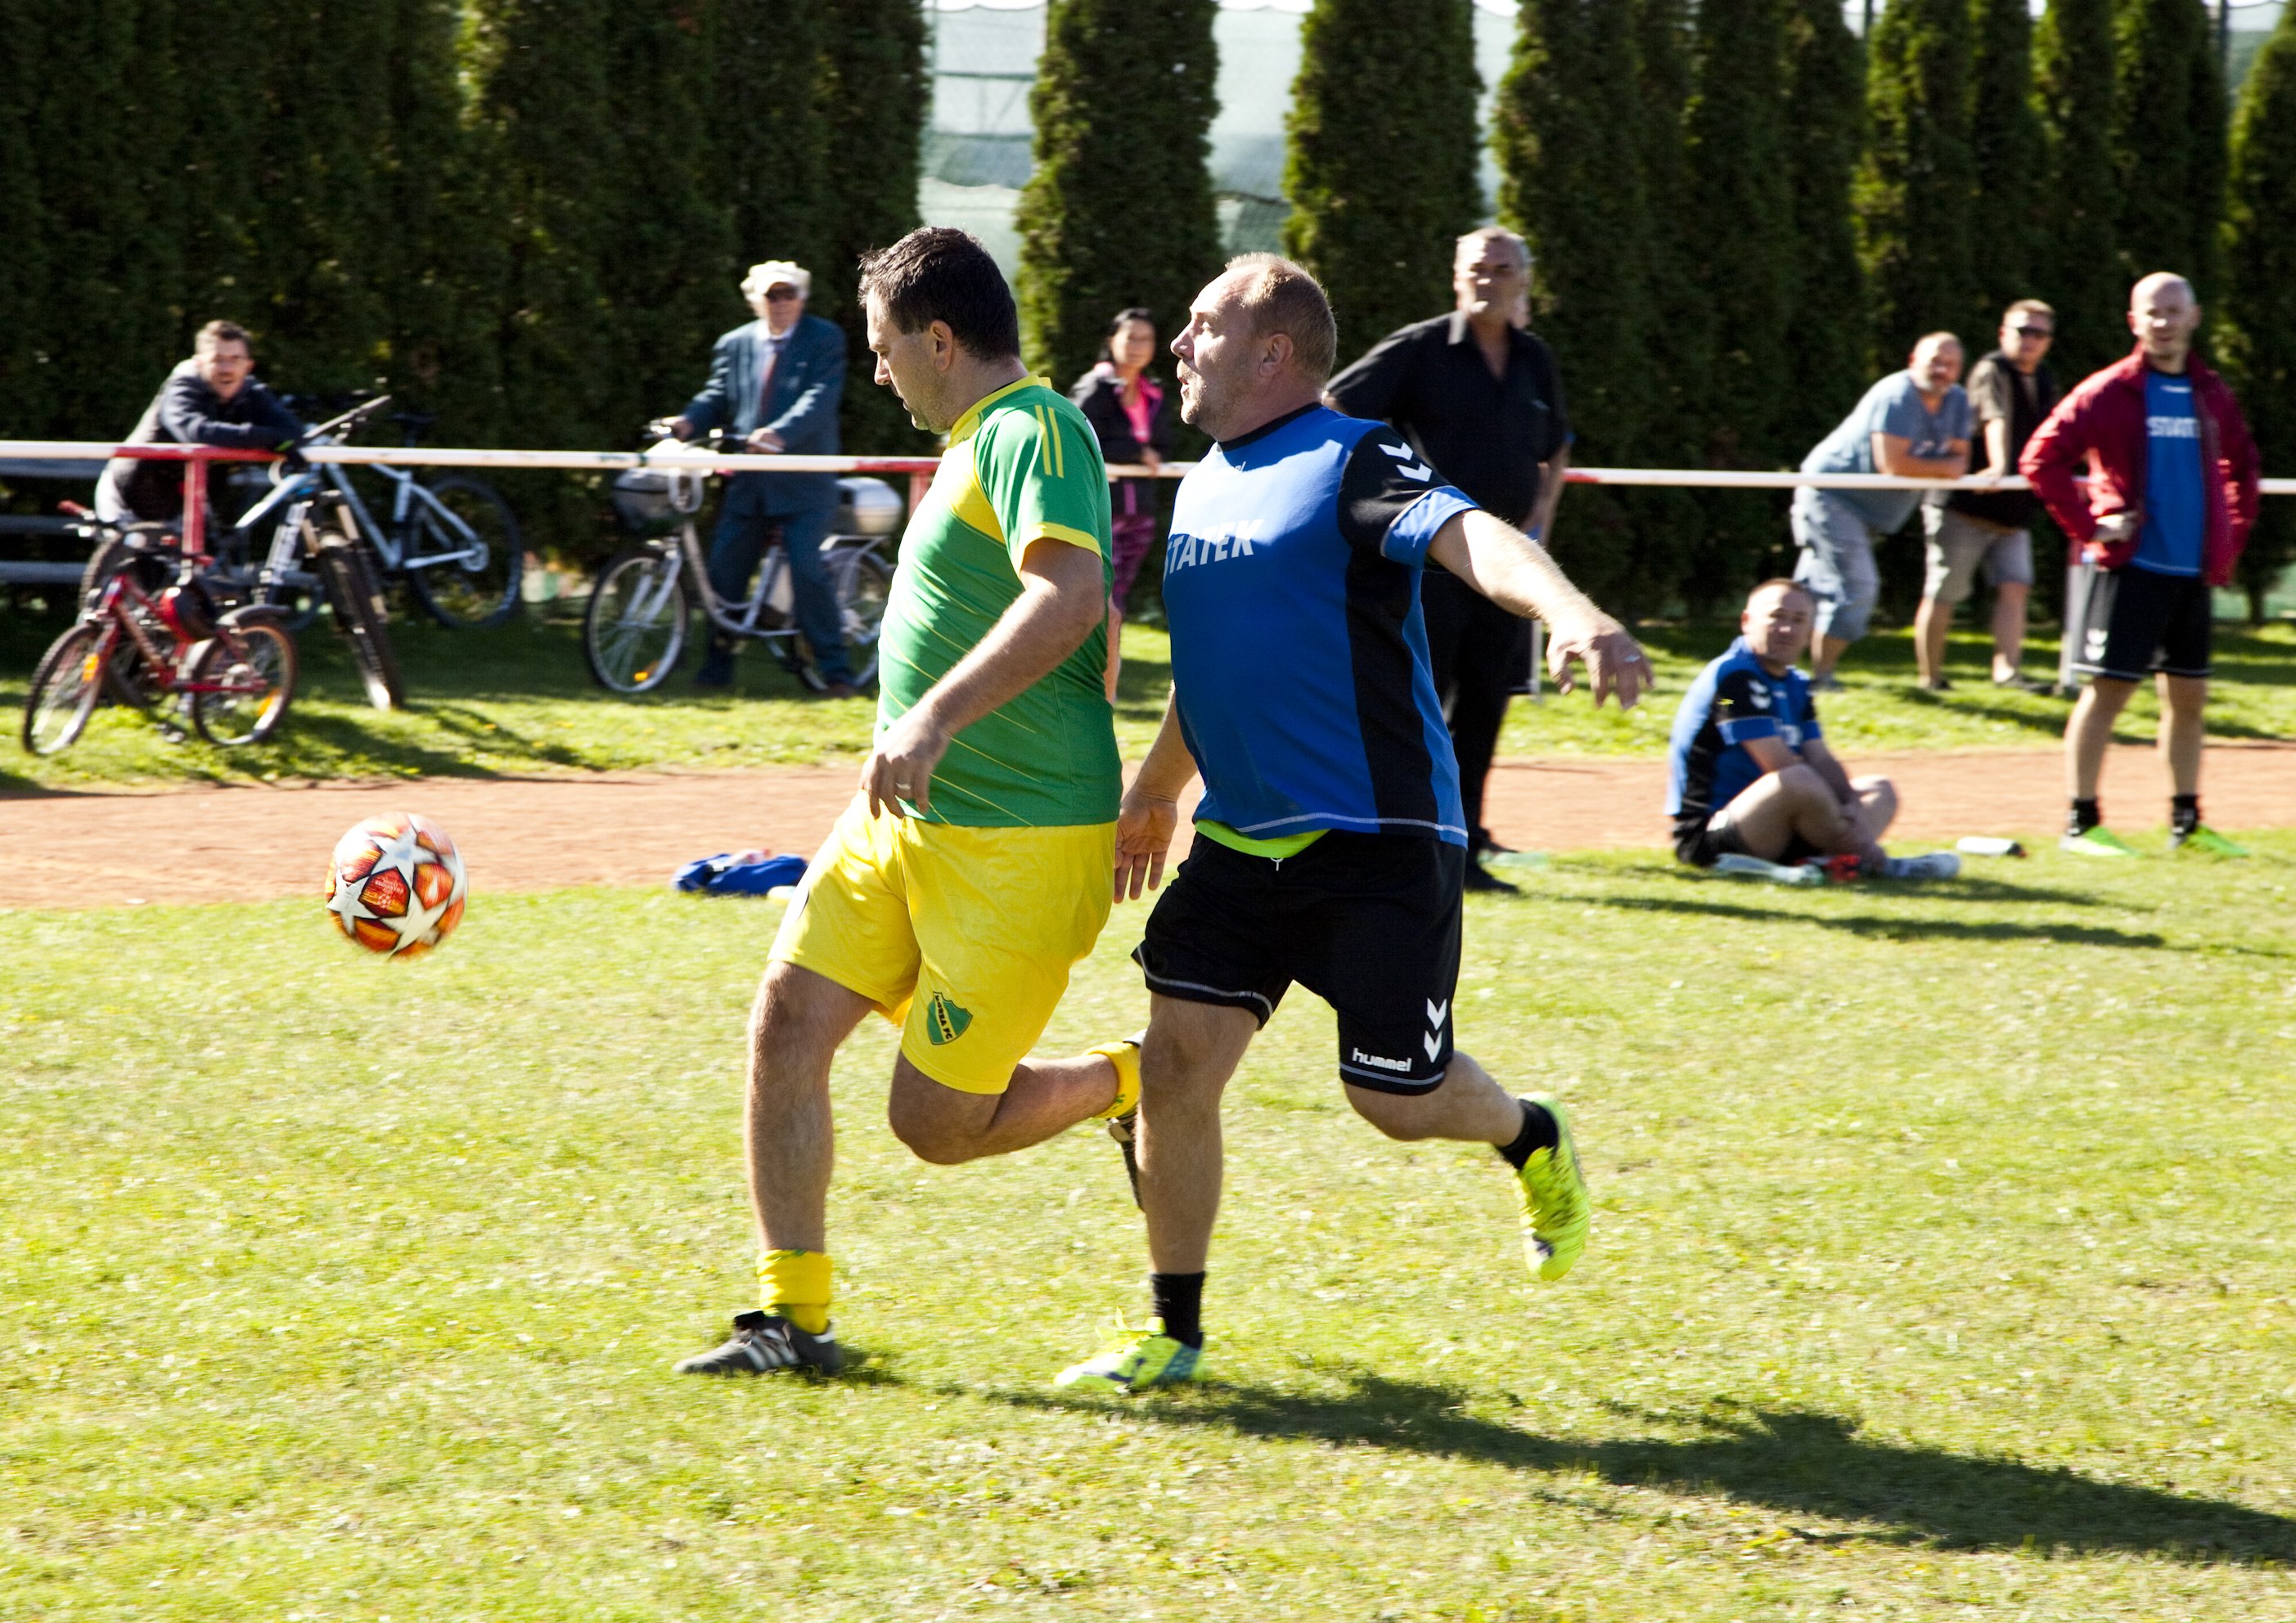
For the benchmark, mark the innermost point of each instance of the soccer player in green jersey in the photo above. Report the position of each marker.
(971, 873)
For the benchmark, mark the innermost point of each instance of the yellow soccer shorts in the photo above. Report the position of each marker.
(964, 938)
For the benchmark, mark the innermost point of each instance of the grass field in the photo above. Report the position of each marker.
(519, 700)
(1941, 1270)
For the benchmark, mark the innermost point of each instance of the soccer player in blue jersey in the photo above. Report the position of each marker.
(1748, 771)
(1330, 846)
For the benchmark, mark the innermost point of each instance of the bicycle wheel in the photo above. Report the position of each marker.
(64, 688)
(252, 660)
(481, 590)
(863, 581)
(355, 596)
(634, 628)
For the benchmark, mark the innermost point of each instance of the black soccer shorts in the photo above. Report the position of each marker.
(2139, 621)
(1368, 923)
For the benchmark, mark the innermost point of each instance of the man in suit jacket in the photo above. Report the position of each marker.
(776, 382)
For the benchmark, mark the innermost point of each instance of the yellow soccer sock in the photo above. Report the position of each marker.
(1125, 1055)
(795, 1285)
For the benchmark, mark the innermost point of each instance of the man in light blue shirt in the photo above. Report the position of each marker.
(1915, 424)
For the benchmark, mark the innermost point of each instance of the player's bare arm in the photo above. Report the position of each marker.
(1151, 812)
(1063, 600)
(1518, 574)
(1893, 455)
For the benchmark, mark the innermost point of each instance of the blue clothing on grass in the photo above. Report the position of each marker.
(2174, 520)
(1891, 406)
(1736, 697)
(1299, 655)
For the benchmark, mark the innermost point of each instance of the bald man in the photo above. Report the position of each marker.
(2172, 491)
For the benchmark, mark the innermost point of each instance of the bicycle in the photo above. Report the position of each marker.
(313, 518)
(634, 628)
(234, 668)
(455, 541)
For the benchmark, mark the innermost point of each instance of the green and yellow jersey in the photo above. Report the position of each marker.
(1022, 465)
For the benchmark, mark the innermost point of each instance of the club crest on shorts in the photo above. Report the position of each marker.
(945, 1021)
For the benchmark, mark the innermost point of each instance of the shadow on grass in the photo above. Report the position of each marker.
(1892, 929)
(1789, 1460)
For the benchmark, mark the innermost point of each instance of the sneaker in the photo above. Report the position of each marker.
(1555, 1211)
(763, 1342)
(2017, 682)
(2099, 841)
(2206, 840)
(1935, 684)
(1133, 1361)
(1825, 684)
(1929, 865)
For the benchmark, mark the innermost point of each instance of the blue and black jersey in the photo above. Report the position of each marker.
(1299, 657)
(1734, 699)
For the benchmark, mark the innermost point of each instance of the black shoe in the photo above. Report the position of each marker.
(1935, 684)
(716, 666)
(1480, 877)
(763, 1342)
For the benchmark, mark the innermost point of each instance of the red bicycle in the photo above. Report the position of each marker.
(155, 629)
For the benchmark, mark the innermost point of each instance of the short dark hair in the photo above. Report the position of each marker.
(221, 332)
(937, 272)
(1281, 296)
(1116, 324)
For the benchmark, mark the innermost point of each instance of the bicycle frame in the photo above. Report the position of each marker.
(119, 608)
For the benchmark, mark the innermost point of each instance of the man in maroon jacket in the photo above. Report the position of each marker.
(2172, 490)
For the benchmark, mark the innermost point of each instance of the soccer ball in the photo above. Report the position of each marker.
(396, 885)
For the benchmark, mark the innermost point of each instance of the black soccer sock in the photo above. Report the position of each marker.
(2183, 813)
(1180, 1304)
(1538, 1133)
(2086, 816)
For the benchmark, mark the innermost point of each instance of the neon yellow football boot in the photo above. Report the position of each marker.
(1132, 1361)
(1557, 1213)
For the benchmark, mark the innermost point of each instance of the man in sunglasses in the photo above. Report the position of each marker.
(775, 382)
(2010, 392)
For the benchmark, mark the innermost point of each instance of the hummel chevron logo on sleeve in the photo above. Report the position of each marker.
(1411, 467)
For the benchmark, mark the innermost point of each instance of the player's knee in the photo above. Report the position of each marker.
(1803, 784)
(932, 1138)
(1399, 1116)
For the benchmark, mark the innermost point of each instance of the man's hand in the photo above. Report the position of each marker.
(2116, 527)
(1151, 456)
(763, 441)
(1145, 826)
(901, 767)
(1615, 662)
(680, 427)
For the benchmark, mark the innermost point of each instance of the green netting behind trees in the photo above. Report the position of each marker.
(1119, 211)
(2257, 331)
(1381, 167)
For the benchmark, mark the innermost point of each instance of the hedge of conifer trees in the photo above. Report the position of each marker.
(528, 215)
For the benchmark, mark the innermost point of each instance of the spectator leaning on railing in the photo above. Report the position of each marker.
(1914, 424)
(2172, 490)
(212, 400)
(776, 382)
(2010, 392)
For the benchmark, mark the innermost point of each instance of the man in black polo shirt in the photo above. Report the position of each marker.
(2011, 393)
(1480, 398)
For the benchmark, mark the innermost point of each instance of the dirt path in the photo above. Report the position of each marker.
(242, 844)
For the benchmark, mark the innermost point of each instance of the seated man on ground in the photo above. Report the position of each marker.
(1749, 773)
